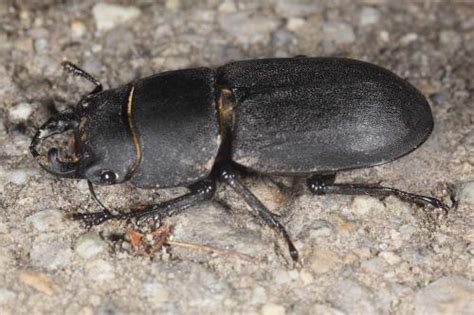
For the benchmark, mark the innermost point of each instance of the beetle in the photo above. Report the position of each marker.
(301, 117)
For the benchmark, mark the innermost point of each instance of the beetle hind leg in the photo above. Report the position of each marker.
(324, 184)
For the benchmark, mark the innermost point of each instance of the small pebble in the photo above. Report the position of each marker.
(6, 296)
(306, 276)
(450, 40)
(282, 277)
(369, 16)
(173, 5)
(338, 32)
(408, 39)
(465, 194)
(227, 6)
(390, 257)
(100, 270)
(40, 45)
(20, 111)
(297, 8)
(6, 259)
(50, 252)
(448, 295)
(373, 266)
(37, 280)
(352, 298)
(82, 186)
(295, 24)
(362, 205)
(273, 309)
(156, 293)
(16, 176)
(3, 130)
(326, 310)
(78, 29)
(247, 27)
(108, 16)
(46, 220)
(324, 260)
(259, 296)
(90, 245)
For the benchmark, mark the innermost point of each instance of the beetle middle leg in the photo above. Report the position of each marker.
(325, 184)
(199, 191)
(228, 176)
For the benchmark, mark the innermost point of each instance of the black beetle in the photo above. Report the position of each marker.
(298, 116)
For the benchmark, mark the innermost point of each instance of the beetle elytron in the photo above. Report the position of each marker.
(298, 116)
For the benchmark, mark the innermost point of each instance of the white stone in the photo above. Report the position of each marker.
(259, 296)
(247, 27)
(369, 16)
(20, 111)
(6, 296)
(448, 295)
(295, 24)
(450, 39)
(338, 32)
(107, 16)
(90, 245)
(325, 310)
(324, 260)
(78, 29)
(352, 298)
(50, 253)
(408, 38)
(273, 309)
(362, 205)
(306, 276)
(46, 220)
(466, 193)
(296, 7)
(156, 293)
(100, 270)
(390, 257)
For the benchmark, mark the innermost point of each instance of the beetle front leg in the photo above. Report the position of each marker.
(200, 191)
(227, 175)
(324, 184)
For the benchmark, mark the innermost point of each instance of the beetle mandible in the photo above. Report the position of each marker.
(306, 117)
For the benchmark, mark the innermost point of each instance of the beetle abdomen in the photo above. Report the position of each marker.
(305, 115)
(175, 117)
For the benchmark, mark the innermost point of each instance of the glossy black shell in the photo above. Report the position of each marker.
(316, 115)
(292, 116)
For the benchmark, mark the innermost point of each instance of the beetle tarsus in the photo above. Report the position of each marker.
(228, 175)
(324, 184)
(75, 70)
(94, 218)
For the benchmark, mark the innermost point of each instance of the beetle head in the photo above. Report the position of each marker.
(102, 150)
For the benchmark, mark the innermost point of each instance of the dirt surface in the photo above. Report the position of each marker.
(359, 255)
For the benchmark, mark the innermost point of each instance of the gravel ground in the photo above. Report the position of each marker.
(359, 255)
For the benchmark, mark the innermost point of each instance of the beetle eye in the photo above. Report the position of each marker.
(107, 177)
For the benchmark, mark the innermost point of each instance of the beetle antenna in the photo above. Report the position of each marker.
(75, 70)
(97, 201)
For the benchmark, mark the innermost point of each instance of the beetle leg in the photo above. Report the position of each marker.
(228, 176)
(200, 191)
(94, 218)
(324, 184)
(75, 70)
